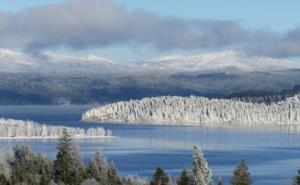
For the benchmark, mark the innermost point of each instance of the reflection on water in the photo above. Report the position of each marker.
(273, 154)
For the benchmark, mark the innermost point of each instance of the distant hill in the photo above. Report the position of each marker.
(61, 79)
(265, 96)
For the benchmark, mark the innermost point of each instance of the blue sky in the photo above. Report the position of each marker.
(278, 16)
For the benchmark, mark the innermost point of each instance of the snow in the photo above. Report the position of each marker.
(221, 60)
(202, 175)
(18, 129)
(15, 62)
(193, 110)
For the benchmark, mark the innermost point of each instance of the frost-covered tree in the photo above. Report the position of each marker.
(220, 181)
(195, 110)
(160, 178)
(90, 182)
(10, 128)
(98, 168)
(4, 180)
(6, 158)
(68, 167)
(202, 175)
(241, 175)
(134, 180)
(183, 179)
(26, 167)
(112, 175)
(296, 180)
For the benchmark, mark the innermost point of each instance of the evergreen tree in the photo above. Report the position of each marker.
(98, 168)
(183, 179)
(296, 180)
(202, 175)
(112, 175)
(220, 181)
(28, 168)
(90, 182)
(68, 167)
(160, 178)
(4, 180)
(241, 175)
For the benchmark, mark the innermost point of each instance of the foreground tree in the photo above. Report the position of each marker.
(112, 175)
(28, 168)
(296, 180)
(183, 179)
(160, 178)
(134, 180)
(202, 175)
(98, 168)
(4, 180)
(241, 175)
(220, 181)
(68, 168)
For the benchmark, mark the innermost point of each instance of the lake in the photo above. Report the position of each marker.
(273, 156)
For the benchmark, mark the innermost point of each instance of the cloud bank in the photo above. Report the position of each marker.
(87, 24)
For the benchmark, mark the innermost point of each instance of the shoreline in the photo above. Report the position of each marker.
(57, 137)
(291, 128)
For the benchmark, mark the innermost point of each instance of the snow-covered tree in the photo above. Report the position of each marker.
(10, 128)
(296, 180)
(183, 179)
(160, 178)
(241, 175)
(220, 181)
(98, 168)
(68, 166)
(195, 110)
(202, 175)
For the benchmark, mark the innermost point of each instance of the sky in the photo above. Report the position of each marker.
(141, 29)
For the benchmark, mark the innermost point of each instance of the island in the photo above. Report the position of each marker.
(197, 111)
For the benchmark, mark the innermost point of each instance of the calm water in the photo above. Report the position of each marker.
(273, 157)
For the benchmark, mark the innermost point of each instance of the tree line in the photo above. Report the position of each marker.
(20, 166)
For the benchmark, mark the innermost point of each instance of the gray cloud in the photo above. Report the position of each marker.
(78, 24)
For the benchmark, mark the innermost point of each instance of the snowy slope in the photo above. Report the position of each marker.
(15, 129)
(221, 60)
(198, 111)
(15, 62)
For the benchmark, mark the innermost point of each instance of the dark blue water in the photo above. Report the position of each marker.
(273, 157)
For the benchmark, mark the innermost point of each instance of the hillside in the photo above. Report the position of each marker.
(62, 79)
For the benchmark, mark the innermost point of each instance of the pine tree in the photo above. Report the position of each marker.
(202, 175)
(220, 181)
(98, 168)
(160, 178)
(241, 175)
(3, 180)
(296, 180)
(68, 167)
(183, 179)
(26, 167)
(112, 175)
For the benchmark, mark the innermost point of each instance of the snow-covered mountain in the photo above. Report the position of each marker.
(198, 111)
(221, 60)
(14, 129)
(16, 62)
